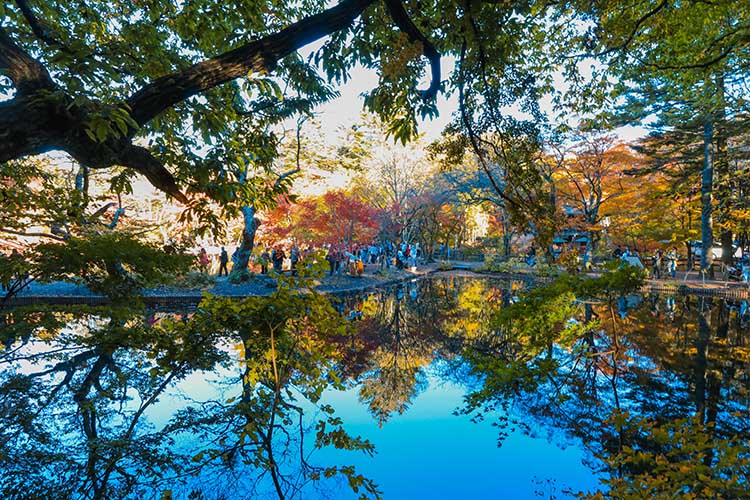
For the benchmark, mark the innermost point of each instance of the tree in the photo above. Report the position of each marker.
(333, 217)
(590, 176)
(509, 170)
(95, 81)
(686, 63)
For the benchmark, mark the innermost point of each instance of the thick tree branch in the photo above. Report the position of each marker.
(26, 73)
(403, 21)
(141, 160)
(636, 28)
(259, 55)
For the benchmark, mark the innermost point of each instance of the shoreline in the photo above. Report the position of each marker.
(65, 293)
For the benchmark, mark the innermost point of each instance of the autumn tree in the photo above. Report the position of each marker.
(590, 174)
(682, 62)
(333, 217)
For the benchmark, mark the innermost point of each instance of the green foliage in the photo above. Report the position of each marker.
(15, 274)
(518, 354)
(287, 353)
(617, 279)
(496, 264)
(112, 263)
(684, 459)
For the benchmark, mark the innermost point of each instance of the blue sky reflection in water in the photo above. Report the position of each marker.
(428, 452)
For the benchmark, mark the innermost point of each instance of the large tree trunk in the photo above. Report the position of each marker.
(707, 229)
(245, 250)
(723, 181)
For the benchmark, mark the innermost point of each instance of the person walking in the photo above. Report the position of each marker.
(223, 260)
(672, 261)
(203, 260)
(656, 262)
(265, 258)
(294, 257)
(278, 257)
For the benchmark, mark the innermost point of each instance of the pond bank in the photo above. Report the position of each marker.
(64, 293)
(689, 284)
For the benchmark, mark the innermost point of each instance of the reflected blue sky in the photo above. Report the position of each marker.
(428, 452)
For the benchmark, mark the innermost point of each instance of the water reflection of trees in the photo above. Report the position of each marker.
(650, 386)
(75, 390)
(622, 379)
(81, 389)
(397, 337)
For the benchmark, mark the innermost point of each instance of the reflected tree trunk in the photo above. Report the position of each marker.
(701, 357)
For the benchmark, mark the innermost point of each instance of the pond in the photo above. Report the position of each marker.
(436, 388)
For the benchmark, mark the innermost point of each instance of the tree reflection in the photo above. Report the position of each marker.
(81, 391)
(400, 331)
(108, 402)
(647, 394)
(74, 394)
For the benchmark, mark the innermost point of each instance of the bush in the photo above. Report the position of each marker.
(195, 279)
(114, 264)
(444, 265)
(494, 264)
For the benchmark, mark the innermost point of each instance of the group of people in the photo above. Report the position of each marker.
(353, 258)
(204, 262)
(276, 256)
(341, 258)
(662, 264)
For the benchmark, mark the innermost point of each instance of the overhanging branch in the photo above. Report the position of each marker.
(257, 56)
(403, 21)
(25, 72)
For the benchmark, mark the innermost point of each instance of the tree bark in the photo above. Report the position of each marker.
(723, 181)
(249, 229)
(707, 229)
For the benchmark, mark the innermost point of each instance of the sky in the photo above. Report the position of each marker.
(346, 109)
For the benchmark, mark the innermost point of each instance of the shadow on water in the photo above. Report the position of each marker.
(238, 399)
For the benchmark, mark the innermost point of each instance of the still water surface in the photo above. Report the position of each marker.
(122, 404)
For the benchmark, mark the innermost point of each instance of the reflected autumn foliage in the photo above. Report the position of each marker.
(226, 400)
